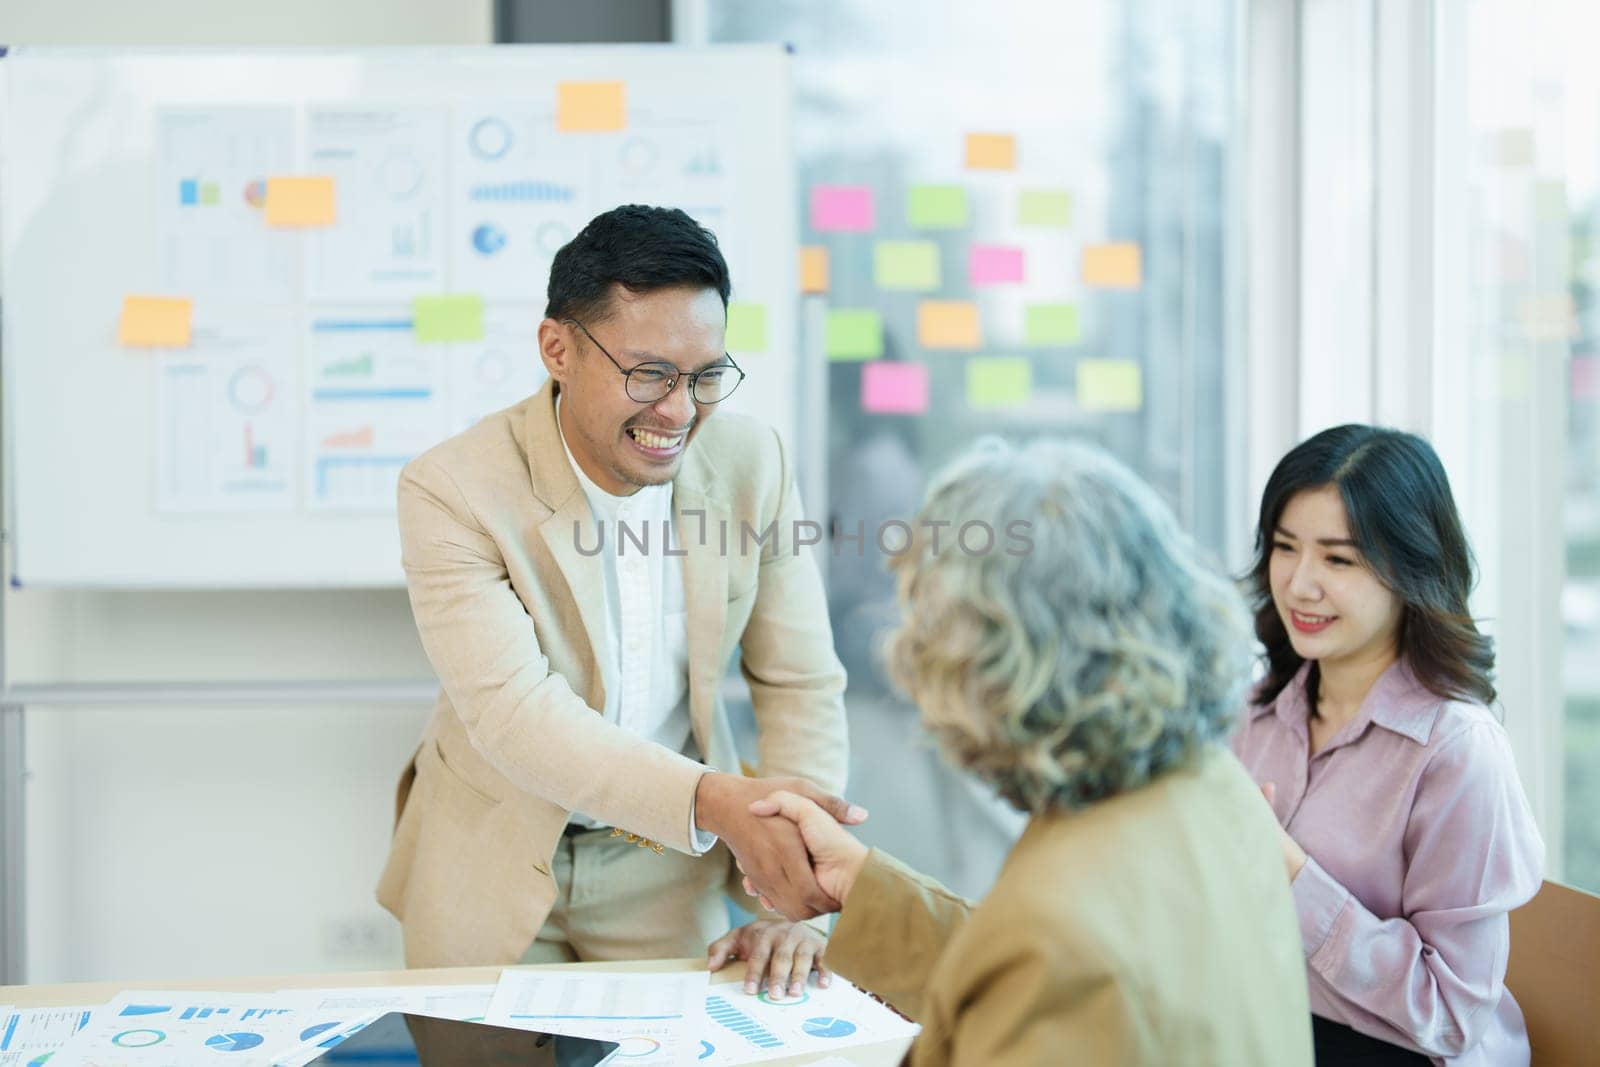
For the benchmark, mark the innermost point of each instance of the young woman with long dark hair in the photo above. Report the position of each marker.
(1406, 834)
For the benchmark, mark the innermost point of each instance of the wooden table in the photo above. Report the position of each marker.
(882, 1054)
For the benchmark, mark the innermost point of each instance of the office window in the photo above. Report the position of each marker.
(1017, 220)
(1529, 199)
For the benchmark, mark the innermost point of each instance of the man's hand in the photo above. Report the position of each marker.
(770, 851)
(784, 953)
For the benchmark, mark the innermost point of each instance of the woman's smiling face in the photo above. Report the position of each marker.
(1332, 604)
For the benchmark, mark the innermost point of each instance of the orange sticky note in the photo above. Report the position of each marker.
(947, 324)
(591, 107)
(300, 202)
(155, 322)
(1113, 266)
(813, 269)
(991, 151)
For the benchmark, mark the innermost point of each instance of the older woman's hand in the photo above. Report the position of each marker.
(1294, 857)
(836, 856)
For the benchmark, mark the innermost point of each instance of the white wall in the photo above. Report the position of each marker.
(168, 842)
(245, 22)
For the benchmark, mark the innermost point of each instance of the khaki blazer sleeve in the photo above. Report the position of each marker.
(787, 657)
(1016, 992)
(1018, 996)
(522, 717)
(893, 928)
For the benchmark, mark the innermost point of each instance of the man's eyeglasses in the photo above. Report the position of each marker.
(650, 382)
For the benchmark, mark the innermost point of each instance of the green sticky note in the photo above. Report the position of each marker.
(906, 264)
(458, 317)
(1044, 207)
(854, 335)
(998, 382)
(1051, 324)
(936, 207)
(747, 328)
(210, 193)
(1110, 385)
(1549, 198)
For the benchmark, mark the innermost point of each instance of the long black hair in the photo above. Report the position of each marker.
(1403, 519)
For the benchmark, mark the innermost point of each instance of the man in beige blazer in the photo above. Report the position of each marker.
(582, 567)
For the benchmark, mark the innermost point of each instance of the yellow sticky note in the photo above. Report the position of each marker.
(747, 328)
(1110, 385)
(1113, 266)
(1516, 375)
(300, 202)
(813, 269)
(456, 317)
(948, 324)
(1549, 317)
(591, 107)
(155, 322)
(906, 265)
(991, 151)
(999, 382)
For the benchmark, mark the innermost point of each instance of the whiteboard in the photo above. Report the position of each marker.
(265, 453)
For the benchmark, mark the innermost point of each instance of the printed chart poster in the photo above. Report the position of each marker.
(388, 169)
(748, 1029)
(498, 371)
(163, 1028)
(520, 193)
(212, 165)
(652, 1017)
(225, 421)
(676, 162)
(366, 1004)
(374, 399)
(29, 1037)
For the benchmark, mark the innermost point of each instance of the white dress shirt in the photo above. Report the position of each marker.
(645, 661)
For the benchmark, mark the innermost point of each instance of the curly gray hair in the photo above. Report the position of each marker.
(1085, 658)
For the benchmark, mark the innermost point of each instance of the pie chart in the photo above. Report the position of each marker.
(488, 239)
(238, 1042)
(138, 1038)
(634, 1047)
(490, 138)
(828, 1027)
(250, 391)
(312, 1031)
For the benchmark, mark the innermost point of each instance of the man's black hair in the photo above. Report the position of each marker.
(641, 248)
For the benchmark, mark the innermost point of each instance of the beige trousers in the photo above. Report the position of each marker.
(617, 901)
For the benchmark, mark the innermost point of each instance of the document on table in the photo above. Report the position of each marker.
(748, 1029)
(654, 1017)
(155, 1029)
(362, 1006)
(30, 1035)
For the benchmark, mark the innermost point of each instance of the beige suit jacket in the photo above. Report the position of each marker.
(511, 614)
(1154, 928)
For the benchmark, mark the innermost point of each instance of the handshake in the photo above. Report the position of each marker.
(788, 838)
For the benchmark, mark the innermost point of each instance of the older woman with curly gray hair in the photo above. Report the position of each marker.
(1065, 642)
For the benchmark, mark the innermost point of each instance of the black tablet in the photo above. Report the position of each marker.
(398, 1038)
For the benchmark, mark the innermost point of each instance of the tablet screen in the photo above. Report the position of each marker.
(398, 1038)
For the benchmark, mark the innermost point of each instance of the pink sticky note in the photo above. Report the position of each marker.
(994, 264)
(1585, 376)
(894, 388)
(841, 207)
